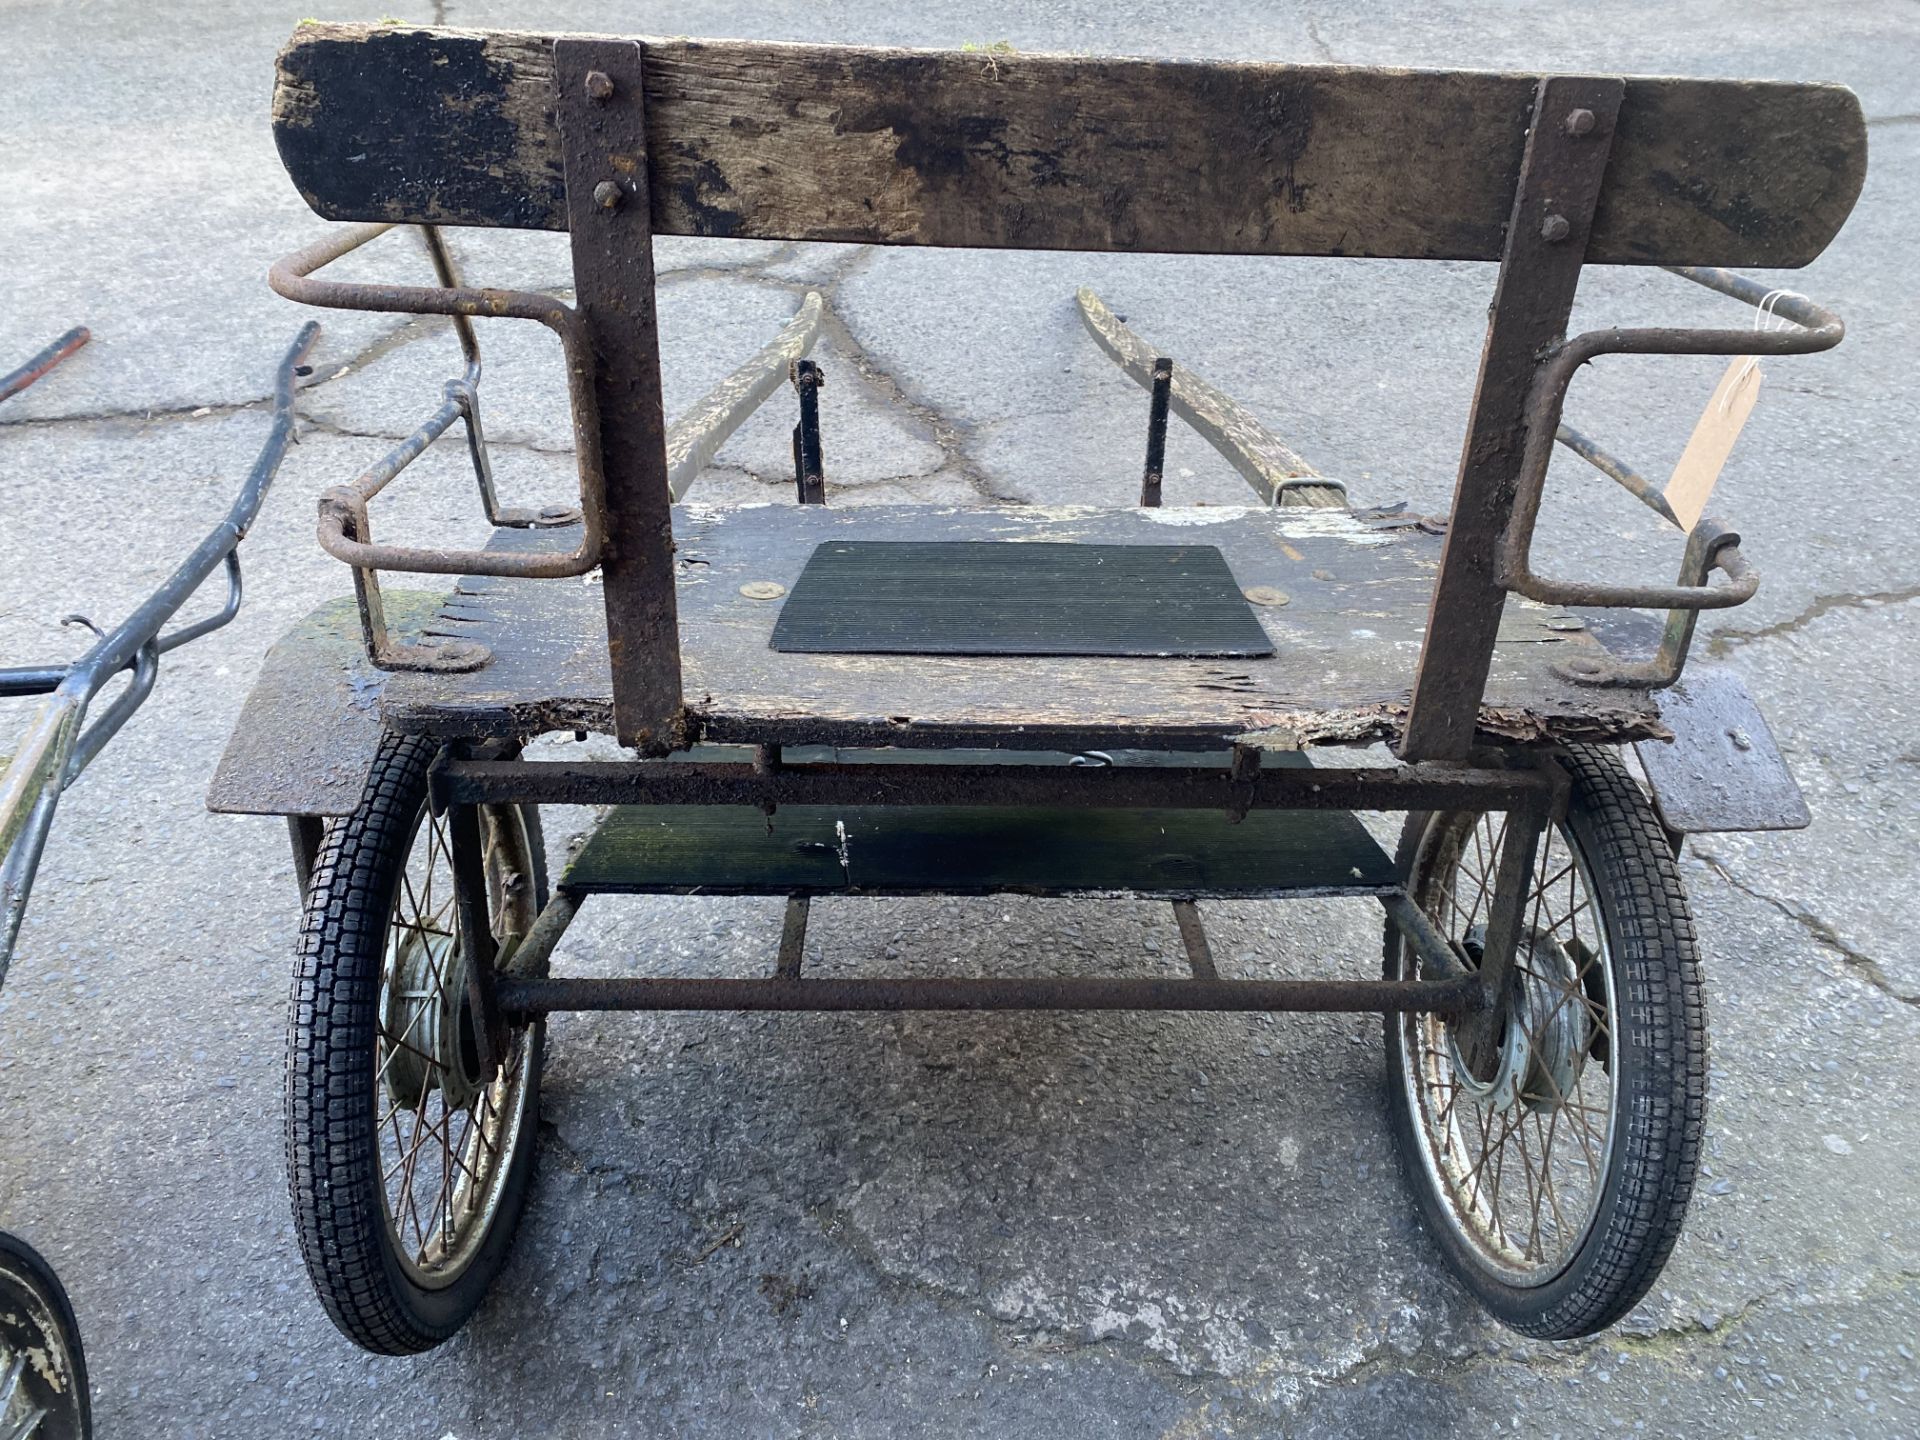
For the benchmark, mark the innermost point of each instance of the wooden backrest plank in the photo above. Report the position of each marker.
(812, 142)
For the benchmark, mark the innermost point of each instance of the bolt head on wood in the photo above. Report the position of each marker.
(1554, 229)
(1579, 122)
(608, 195)
(600, 85)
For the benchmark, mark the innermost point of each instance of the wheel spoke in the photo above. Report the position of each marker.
(1525, 1177)
(434, 1218)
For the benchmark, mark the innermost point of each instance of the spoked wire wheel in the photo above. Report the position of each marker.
(408, 1160)
(43, 1371)
(1554, 1149)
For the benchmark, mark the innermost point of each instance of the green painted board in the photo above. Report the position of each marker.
(977, 850)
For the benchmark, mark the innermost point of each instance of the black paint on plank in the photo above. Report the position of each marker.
(311, 725)
(985, 597)
(954, 850)
(1722, 770)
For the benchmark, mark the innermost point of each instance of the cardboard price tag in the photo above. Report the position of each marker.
(1707, 449)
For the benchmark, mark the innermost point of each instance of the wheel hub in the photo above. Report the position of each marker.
(1545, 1032)
(426, 1022)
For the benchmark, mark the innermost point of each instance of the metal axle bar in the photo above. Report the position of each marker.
(522, 987)
(540, 997)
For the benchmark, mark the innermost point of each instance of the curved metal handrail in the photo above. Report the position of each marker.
(344, 527)
(1816, 329)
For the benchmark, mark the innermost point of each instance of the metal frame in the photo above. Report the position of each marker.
(1532, 796)
(62, 742)
(345, 528)
(628, 482)
(1568, 142)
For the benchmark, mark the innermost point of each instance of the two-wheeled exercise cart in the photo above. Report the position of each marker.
(913, 699)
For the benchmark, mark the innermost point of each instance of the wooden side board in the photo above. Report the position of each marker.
(814, 142)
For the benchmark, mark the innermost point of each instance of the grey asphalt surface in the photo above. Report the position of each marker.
(1177, 1226)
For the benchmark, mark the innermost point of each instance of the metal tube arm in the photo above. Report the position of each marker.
(1813, 328)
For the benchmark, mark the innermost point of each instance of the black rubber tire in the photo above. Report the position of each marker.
(1660, 1039)
(36, 1316)
(333, 1154)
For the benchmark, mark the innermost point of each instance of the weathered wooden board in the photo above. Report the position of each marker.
(815, 142)
(1346, 643)
(954, 850)
(308, 732)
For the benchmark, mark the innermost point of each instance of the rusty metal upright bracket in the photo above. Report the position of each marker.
(1561, 170)
(599, 100)
(809, 470)
(1161, 393)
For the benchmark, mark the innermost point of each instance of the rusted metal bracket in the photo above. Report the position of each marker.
(1814, 328)
(599, 100)
(809, 474)
(1568, 145)
(462, 401)
(1711, 546)
(344, 512)
(294, 279)
(345, 523)
(1161, 391)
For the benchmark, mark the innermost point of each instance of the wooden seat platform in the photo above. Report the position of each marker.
(1346, 603)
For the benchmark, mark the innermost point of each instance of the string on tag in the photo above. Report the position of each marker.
(1766, 319)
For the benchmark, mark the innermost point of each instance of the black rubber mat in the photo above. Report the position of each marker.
(983, 597)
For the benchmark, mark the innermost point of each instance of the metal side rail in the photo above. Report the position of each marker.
(60, 743)
(1806, 328)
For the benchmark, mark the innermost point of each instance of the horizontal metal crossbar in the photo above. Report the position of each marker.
(539, 997)
(1405, 787)
(523, 986)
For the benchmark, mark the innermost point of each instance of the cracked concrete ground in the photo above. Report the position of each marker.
(879, 1226)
